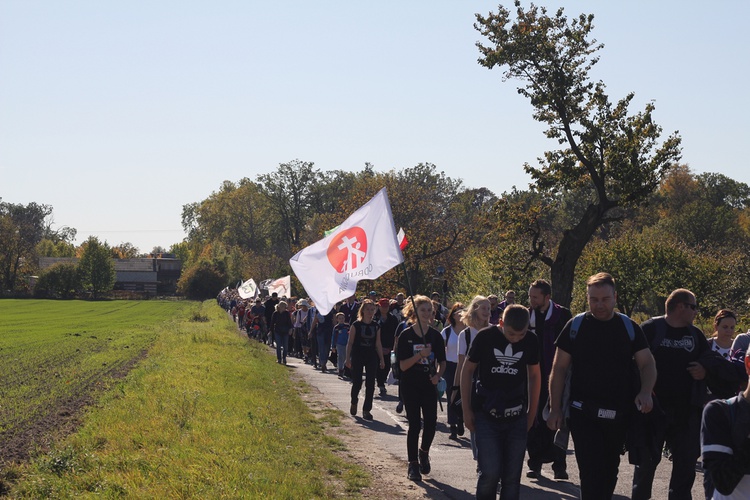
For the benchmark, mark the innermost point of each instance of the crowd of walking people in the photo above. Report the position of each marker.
(658, 389)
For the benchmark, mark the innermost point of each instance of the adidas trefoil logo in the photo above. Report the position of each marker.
(507, 359)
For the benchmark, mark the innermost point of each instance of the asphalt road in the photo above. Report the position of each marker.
(453, 468)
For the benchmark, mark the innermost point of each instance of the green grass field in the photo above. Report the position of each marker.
(206, 414)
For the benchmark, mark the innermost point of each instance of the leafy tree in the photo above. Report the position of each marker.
(238, 214)
(22, 227)
(50, 248)
(124, 250)
(646, 267)
(96, 268)
(203, 280)
(292, 191)
(611, 156)
(60, 280)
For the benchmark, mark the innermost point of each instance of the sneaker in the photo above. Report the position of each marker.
(424, 462)
(533, 474)
(353, 409)
(413, 473)
(383, 391)
(400, 407)
(367, 415)
(453, 435)
(324, 370)
(460, 429)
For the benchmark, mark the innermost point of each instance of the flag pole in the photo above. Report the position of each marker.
(411, 297)
(414, 306)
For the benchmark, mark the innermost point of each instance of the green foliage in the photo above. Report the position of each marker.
(202, 280)
(96, 268)
(51, 248)
(610, 156)
(60, 280)
(124, 251)
(22, 227)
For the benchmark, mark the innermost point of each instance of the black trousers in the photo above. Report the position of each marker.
(420, 402)
(367, 361)
(598, 445)
(541, 441)
(683, 439)
(383, 372)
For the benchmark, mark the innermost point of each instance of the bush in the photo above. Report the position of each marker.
(203, 280)
(58, 281)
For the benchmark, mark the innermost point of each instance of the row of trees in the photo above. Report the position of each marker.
(612, 197)
(93, 274)
(27, 233)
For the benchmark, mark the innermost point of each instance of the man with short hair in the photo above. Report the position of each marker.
(397, 305)
(601, 352)
(510, 298)
(350, 308)
(503, 404)
(442, 311)
(547, 320)
(676, 346)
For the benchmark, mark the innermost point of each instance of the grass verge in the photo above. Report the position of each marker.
(206, 415)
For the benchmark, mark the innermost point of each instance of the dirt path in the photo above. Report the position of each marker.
(362, 447)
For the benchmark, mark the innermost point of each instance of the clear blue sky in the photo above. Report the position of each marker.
(119, 113)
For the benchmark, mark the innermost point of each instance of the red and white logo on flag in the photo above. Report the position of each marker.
(348, 249)
(364, 246)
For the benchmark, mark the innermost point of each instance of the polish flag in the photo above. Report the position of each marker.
(402, 241)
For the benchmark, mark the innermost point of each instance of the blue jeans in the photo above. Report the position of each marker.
(324, 341)
(501, 447)
(282, 341)
(341, 353)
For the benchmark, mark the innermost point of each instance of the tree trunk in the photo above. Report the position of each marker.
(571, 247)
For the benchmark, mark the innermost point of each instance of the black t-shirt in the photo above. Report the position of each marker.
(388, 325)
(409, 343)
(502, 364)
(365, 336)
(602, 355)
(679, 347)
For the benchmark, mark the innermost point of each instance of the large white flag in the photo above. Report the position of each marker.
(282, 286)
(364, 246)
(248, 289)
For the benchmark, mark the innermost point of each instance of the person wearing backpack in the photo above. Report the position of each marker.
(677, 346)
(725, 444)
(600, 353)
(421, 357)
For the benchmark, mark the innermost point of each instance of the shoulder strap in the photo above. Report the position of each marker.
(577, 320)
(661, 331)
(628, 326)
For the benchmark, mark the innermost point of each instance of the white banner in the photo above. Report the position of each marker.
(282, 286)
(248, 289)
(364, 246)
